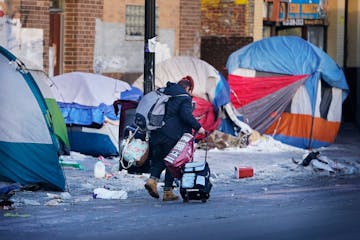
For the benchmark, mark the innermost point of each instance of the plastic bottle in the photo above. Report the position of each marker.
(99, 169)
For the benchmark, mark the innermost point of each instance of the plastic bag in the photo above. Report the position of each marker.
(181, 154)
(134, 152)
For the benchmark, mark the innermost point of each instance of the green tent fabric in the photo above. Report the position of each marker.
(58, 124)
(57, 118)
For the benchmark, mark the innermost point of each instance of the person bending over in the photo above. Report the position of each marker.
(178, 120)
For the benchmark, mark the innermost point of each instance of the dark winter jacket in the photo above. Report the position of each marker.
(178, 118)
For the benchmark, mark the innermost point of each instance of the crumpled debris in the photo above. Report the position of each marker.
(54, 196)
(104, 193)
(30, 202)
(221, 140)
(323, 163)
(54, 202)
(63, 195)
(66, 195)
(320, 163)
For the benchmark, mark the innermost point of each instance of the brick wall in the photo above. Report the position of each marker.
(216, 50)
(35, 14)
(79, 33)
(224, 19)
(225, 27)
(190, 26)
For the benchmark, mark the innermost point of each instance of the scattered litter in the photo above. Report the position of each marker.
(66, 195)
(63, 195)
(99, 169)
(7, 207)
(70, 164)
(320, 163)
(326, 164)
(104, 193)
(321, 166)
(54, 196)
(30, 202)
(109, 175)
(243, 172)
(16, 215)
(54, 202)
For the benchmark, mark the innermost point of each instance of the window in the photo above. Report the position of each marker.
(135, 21)
(56, 4)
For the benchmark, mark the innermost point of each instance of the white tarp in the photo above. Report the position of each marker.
(205, 75)
(87, 89)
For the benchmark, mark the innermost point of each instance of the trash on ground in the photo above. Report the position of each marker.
(243, 172)
(70, 164)
(99, 169)
(31, 202)
(54, 202)
(109, 194)
(16, 215)
(321, 163)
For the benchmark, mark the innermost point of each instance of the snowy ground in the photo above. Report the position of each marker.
(271, 161)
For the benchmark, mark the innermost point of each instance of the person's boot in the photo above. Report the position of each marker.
(151, 187)
(169, 196)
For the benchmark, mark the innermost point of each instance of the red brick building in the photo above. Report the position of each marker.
(73, 32)
(226, 26)
(92, 35)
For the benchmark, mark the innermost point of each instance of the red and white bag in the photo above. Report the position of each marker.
(181, 154)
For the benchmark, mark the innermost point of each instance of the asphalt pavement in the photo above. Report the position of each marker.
(312, 207)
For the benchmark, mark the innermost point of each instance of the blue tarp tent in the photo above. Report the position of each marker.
(86, 103)
(306, 89)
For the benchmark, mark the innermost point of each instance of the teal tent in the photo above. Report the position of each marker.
(28, 145)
